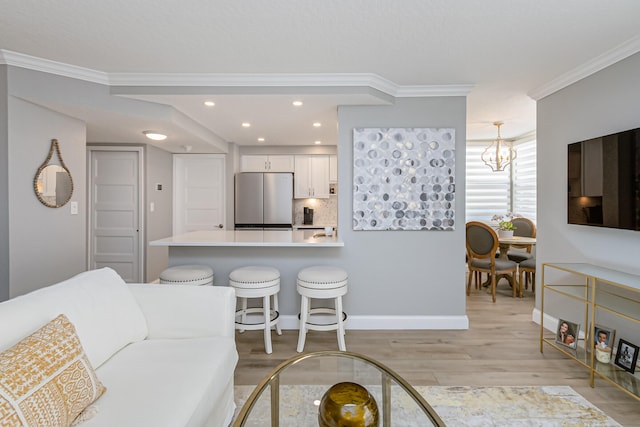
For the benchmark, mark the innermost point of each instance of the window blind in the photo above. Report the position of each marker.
(489, 193)
(524, 180)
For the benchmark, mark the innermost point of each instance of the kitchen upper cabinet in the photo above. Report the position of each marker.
(333, 168)
(264, 163)
(311, 177)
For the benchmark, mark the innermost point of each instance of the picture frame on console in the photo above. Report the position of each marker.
(567, 333)
(626, 356)
(603, 336)
(604, 339)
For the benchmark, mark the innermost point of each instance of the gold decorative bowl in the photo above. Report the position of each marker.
(348, 405)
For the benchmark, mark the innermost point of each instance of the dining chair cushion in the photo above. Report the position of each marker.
(519, 255)
(528, 263)
(485, 263)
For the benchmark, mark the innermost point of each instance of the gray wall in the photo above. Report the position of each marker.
(606, 102)
(403, 272)
(159, 167)
(47, 244)
(4, 186)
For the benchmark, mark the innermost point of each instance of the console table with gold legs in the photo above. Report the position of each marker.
(600, 290)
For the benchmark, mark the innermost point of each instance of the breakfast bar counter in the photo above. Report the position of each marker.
(287, 250)
(240, 238)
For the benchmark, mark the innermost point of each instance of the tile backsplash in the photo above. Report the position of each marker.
(325, 211)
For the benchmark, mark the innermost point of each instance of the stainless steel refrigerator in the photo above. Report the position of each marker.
(263, 200)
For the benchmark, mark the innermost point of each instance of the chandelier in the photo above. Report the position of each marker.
(499, 154)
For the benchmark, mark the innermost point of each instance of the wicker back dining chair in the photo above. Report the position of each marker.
(482, 246)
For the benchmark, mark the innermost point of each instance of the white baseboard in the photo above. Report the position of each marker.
(392, 322)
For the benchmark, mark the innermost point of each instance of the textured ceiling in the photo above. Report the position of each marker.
(504, 48)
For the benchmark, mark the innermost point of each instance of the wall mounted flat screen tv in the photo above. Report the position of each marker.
(604, 181)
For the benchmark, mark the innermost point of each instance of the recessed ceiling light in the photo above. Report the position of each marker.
(317, 142)
(209, 103)
(154, 135)
(297, 103)
(260, 139)
(246, 125)
(317, 124)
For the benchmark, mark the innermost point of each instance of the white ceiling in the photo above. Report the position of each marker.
(506, 51)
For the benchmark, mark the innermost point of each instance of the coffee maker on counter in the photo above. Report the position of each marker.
(308, 216)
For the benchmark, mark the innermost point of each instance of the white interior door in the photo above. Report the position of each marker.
(115, 211)
(198, 192)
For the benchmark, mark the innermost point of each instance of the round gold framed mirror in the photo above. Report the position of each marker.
(53, 184)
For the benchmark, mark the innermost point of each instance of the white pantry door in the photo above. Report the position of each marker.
(115, 211)
(198, 192)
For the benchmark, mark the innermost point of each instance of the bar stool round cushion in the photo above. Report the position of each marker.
(187, 275)
(322, 277)
(254, 276)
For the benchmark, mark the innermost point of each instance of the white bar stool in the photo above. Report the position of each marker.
(257, 282)
(321, 282)
(187, 275)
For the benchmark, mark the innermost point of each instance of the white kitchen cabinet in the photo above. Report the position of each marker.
(311, 179)
(264, 163)
(333, 168)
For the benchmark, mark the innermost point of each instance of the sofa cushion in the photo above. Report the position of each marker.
(181, 376)
(46, 379)
(99, 304)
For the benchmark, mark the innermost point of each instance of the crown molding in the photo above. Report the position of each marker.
(433, 90)
(287, 80)
(231, 80)
(21, 60)
(605, 60)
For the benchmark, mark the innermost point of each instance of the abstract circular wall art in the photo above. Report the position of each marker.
(404, 179)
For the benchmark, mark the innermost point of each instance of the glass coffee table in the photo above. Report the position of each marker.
(291, 394)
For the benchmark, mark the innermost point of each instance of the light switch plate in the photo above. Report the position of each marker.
(74, 208)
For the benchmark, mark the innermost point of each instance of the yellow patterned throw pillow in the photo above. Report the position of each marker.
(46, 379)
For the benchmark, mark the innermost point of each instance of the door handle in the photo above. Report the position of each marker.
(220, 226)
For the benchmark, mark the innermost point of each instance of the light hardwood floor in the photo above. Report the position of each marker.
(501, 347)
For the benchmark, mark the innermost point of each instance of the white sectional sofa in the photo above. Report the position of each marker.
(165, 353)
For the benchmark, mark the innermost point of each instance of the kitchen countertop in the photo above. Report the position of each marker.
(240, 238)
